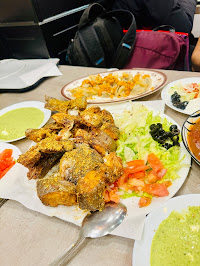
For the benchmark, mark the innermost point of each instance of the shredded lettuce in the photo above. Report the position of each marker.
(135, 141)
(127, 195)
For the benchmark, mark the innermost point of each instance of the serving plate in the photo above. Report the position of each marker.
(158, 81)
(12, 188)
(166, 97)
(35, 104)
(142, 248)
(191, 120)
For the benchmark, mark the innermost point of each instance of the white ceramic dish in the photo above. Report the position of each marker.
(158, 81)
(35, 104)
(142, 248)
(166, 97)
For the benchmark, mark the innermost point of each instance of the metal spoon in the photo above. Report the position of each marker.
(97, 224)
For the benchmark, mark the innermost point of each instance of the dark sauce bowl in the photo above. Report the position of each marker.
(191, 120)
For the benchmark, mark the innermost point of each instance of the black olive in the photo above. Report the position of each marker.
(161, 132)
(159, 125)
(153, 126)
(153, 131)
(160, 140)
(165, 136)
(155, 137)
(175, 131)
(167, 146)
(175, 138)
(176, 143)
(172, 127)
(175, 96)
(185, 103)
(169, 134)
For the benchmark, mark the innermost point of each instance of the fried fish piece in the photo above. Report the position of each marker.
(29, 158)
(111, 130)
(65, 119)
(102, 142)
(112, 167)
(41, 157)
(107, 117)
(79, 102)
(53, 104)
(76, 163)
(41, 168)
(81, 135)
(92, 116)
(37, 135)
(50, 145)
(90, 190)
(54, 191)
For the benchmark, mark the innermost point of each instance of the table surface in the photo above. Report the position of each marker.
(30, 238)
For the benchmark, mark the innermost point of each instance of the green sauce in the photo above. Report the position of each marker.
(177, 240)
(14, 123)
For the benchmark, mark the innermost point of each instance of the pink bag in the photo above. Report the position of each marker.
(160, 50)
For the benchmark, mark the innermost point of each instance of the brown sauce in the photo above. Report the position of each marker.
(194, 139)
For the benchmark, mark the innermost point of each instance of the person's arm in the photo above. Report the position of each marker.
(196, 57)
(177, 13)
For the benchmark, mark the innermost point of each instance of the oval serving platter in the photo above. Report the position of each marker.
(158, 81)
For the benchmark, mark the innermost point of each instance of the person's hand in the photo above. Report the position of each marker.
(196, 57)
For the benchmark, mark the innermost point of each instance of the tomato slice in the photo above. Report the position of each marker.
(7, 153)
(133, 170)
(136, 163)
(167, 183)
(155, 162)
(161, 173)
(152, 177)
(122, 180)
(6, 161)
(6, 170)
(156, 189)
(114, 197)
(140, 174)
(144, 201)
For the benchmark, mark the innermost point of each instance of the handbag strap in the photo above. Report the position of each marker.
(126, 45)
(91, 13)
(165, 28)
(89, 38)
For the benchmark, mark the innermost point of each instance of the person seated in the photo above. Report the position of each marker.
(153, 13)
(196, 57)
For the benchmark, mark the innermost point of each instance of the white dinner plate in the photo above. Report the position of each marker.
(12, 188)
(142, 248)
(35, 104)
(158, 81)
(166, 97)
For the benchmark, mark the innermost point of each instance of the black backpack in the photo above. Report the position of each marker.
(100, 40)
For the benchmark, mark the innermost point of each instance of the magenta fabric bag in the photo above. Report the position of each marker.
(160, 50)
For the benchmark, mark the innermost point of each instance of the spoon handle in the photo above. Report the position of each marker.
(62, 261)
